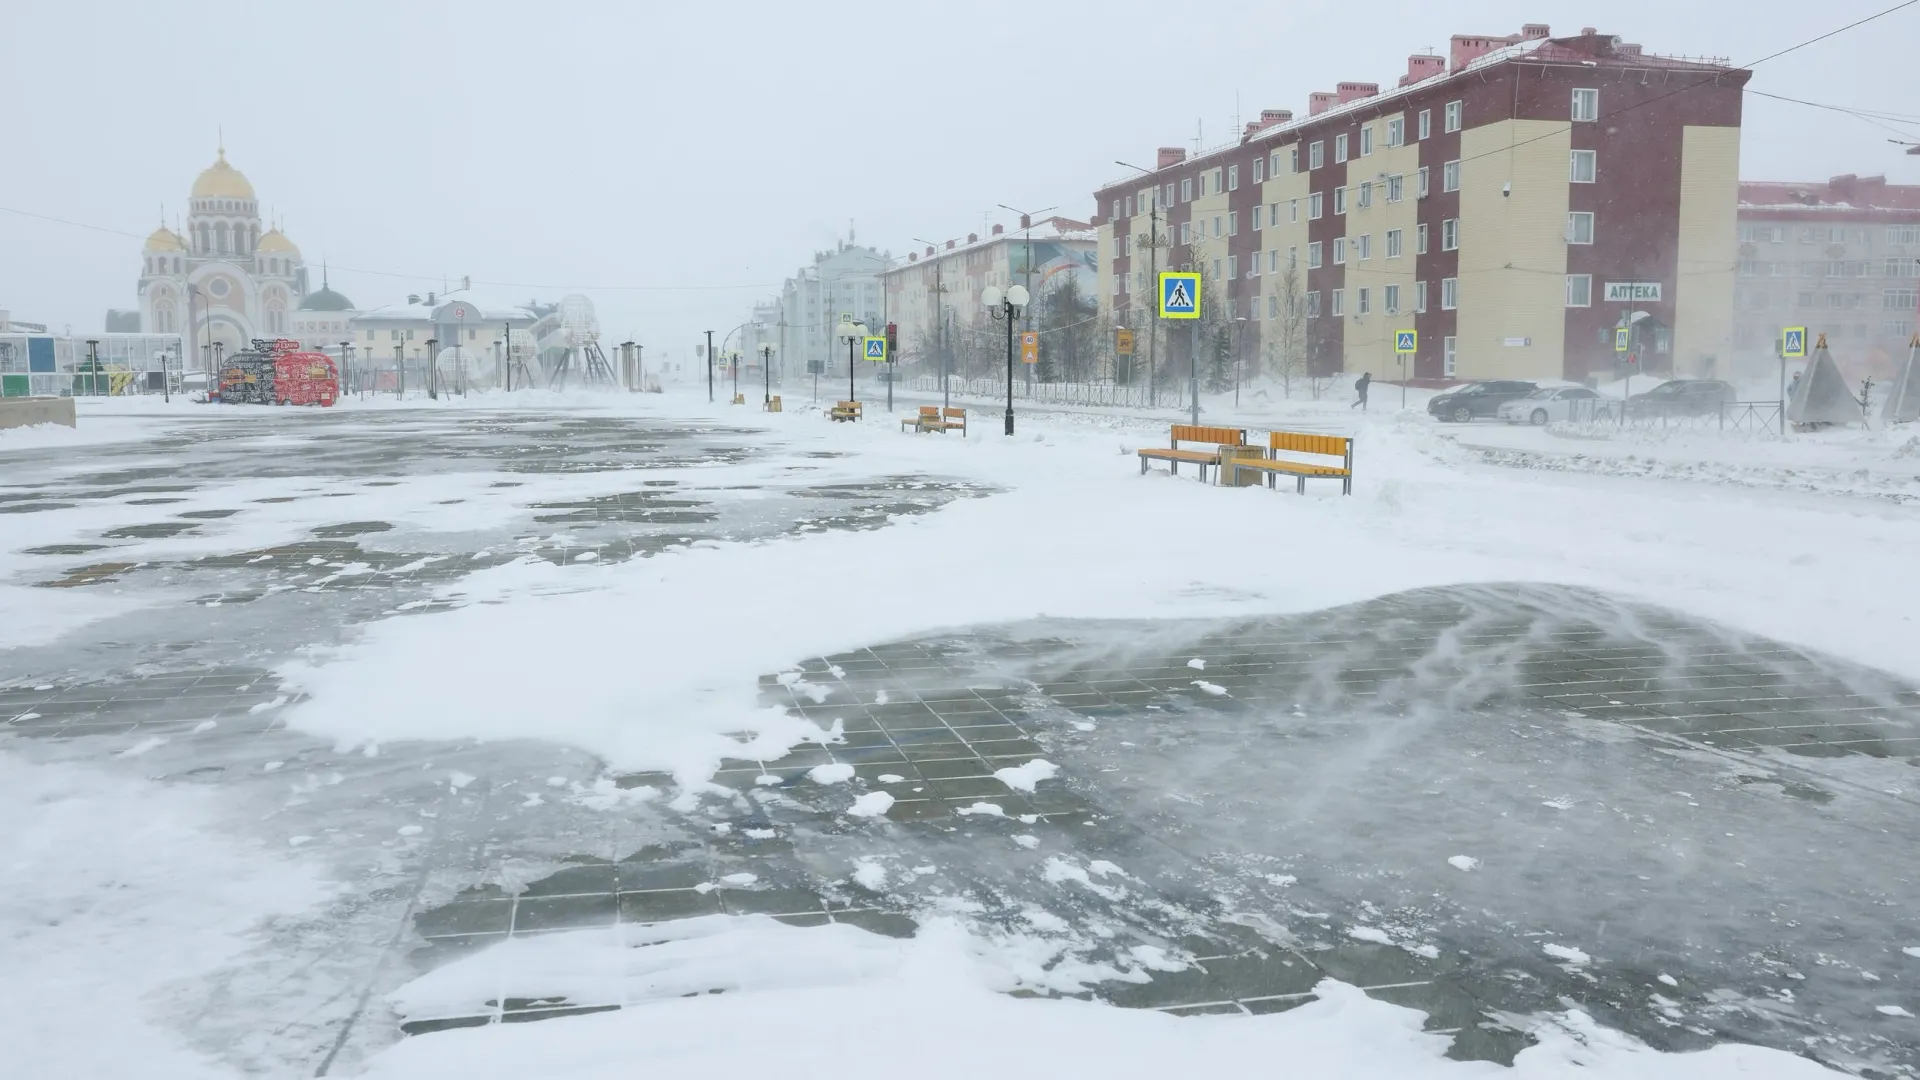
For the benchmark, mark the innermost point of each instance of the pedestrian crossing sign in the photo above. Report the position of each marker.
(1622, 339)
(1793, 341)
(877, 349)
(1179, 295)
(1406, 341)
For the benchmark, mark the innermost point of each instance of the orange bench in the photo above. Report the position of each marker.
(845, 411)
(1296, 442)
(928, 418)
(1173, 455)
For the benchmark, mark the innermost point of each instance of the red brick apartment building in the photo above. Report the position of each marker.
(1514, 202)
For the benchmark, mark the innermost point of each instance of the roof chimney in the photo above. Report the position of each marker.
(1422, 66)
(973, 238)
(1319, 101)
(913, 256)
(929, 249)
(950, 244)
(1270, 117)
(1588, 31)
(1534, 30)
(998, 229)
(1170, 155)
(1354, 91)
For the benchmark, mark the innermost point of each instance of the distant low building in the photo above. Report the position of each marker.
(1839, 257)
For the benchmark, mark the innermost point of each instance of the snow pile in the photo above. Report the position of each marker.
(1025, 777)
(840, 1002)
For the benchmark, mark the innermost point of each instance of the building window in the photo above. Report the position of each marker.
(1259, 169)
(1339, 302)
(1396, 188)
(1390, 302)
(1447, 356)
(1366, 140)
(1293, 210)
(1273, 306)
(1449, 293)
(1186, 190)
(1450, 234)
(1339, 251)
(1454, 109)
(1186, 236)
(1586, 105)
(1583, 166)
(1273, 213)
(1233, 178)
(1366, 194)
(1362, 302)
(1426, 123)
(1216, 187)
(1216, 226)
(1396, 131)
(1904, 234)
(1253, 265)
(1293, 159)
(1394, 241)
(1579, 290)
(1316, 154)
(1419, 298)
(1903, 266)
(1450, 176)
(1420, 189)
(1313, 304)
(1580, 228)
(1900, 299)
(1233, 266)
(1216, 269)
(1420, 239)
(1313, 207)
(1363, 247)
(1313, 255)
(1255, 219)
(1170, 200)
(1339, 149)
(1123, 208)
(1233, 223)
(1339, 200)
(1293, 258)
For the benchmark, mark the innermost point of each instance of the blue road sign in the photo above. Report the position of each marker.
(877, 349)
(1179, 295)
(1793, 341)
(1406, 341)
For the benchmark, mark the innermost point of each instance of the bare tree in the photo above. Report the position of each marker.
(1286, 346)
(1070, 337)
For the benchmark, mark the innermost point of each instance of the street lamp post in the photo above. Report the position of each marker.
(1006, 307)
(709, 367)
(433, 362)
(1155, 240)
(853, 332)
(766, 376)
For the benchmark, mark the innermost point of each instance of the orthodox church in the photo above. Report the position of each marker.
(228, 280)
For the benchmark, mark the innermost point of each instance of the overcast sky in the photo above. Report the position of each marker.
(674, 161)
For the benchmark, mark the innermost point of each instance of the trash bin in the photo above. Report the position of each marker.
(1246, 477)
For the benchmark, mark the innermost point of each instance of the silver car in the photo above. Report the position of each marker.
(1547, 404)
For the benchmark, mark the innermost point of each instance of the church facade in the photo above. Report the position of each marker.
(227, 278)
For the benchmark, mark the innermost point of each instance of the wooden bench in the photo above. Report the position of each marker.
(772, 404)
(845, 410)
(1173, 455)
(739, 399)
(929, 414)
(951, 418)
(1296, 442)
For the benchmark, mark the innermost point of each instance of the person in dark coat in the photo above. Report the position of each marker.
(1360, 386)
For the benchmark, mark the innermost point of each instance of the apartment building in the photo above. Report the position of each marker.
(1513, 202)
(933, 297)
(1841, 258)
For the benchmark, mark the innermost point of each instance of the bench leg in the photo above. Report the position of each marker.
(1143, 466)
(1300, 485)
(1346, 485)
(1175, 466)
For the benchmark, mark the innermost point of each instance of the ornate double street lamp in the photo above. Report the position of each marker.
(854, 333)
(1006, 307)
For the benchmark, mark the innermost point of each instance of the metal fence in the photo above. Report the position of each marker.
(1741, 417)
(1103, 395)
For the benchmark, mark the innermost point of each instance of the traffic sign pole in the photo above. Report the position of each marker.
(1405, 343)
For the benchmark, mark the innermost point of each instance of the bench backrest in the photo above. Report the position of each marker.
(1225, 436)
(928, 412)
(1299, 442)
(950, 411)
(848, 405)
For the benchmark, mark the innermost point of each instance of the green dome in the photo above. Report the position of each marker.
(326, 300)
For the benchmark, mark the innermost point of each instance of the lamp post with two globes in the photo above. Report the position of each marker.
(1006, 306)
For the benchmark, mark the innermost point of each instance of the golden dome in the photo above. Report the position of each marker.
(222, 181)
(165, 239)
(275, 242)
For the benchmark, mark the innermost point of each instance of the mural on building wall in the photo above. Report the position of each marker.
(1052, 258)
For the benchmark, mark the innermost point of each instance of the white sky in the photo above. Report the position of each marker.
(614, 149)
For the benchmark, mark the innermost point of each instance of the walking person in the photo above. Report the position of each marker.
(1360, 385)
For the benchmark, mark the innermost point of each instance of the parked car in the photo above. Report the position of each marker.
(1549, 403)
(1478, 399)
(1684, 397)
